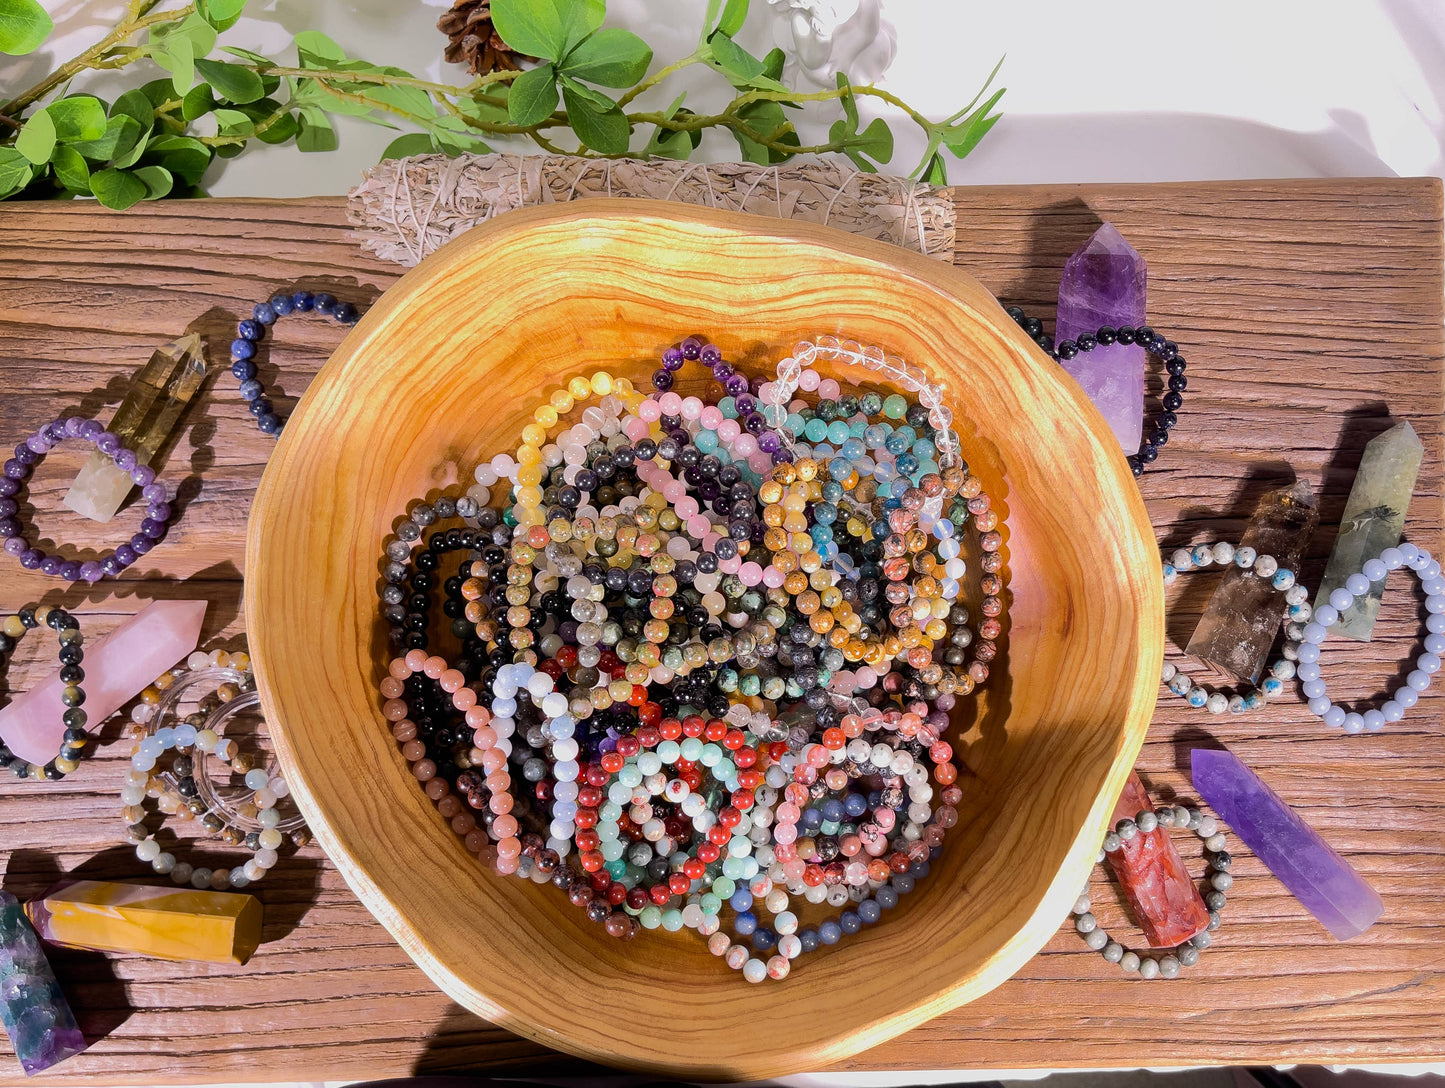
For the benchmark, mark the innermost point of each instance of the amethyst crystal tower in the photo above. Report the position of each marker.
(1104, 284)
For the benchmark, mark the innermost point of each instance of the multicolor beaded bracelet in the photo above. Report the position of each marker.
(1306, 640)
(1151, 342)
(1220, 881)
(252, 330)
(1297, 608)
(18, 469)
(74, 746)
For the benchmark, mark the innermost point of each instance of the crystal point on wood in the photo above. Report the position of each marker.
(158, 395)
(117, 669)
(1243, 616)
(1104, 283)
(36, 1015)
(1373, 520)
(1325, 883)
(166, 923)
(1165, 901)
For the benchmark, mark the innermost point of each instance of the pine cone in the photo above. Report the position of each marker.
(474, 41)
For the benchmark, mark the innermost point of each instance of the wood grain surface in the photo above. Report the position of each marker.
(1311, 313)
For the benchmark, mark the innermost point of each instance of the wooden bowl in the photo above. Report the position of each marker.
(444, 371)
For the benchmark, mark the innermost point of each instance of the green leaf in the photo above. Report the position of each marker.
(741, 67)
(848, 102)
(582, 20)
(71, 169)
(234, 123)
(177, 56)
(413, 143)
(183, 156)
(773, 64)
(157, 92)
(136, 105)
(533, 96)
(121, 134)
(15, 171)
(964, 136)
(733, 59)
(936, 172)
(280, 130)
(535, 27)
(766, 119)
(732, 17)
(606, 132)
(24, 26)
(231, 81)
(246, 54)
(198, 102)
(969, 140)
(316, 50)
(78, 118)
(117, 189)
(316, 133)
(37, 139)
(229, 151)
(157, 180)
(613, 58)
(123, 159)
(220, 14)
(876, 141)
(599, 101)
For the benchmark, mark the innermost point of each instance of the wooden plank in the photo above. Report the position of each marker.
(1310, 312)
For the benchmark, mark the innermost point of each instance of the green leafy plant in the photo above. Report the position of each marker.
(160, 138)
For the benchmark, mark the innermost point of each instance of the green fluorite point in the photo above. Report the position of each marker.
(1373, 520)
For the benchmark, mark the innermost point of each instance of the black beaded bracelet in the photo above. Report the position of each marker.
(74, 746)
(1150, 341)
(253, 329)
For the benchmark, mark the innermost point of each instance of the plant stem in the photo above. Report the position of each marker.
(653, 80)
(140, 17)
(379, 79)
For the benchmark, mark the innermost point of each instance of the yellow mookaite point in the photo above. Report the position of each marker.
(167, 923)
(158, 395)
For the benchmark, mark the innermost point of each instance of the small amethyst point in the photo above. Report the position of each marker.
(1104, 283)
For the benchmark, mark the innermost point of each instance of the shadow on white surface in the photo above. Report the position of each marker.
(1142, 147)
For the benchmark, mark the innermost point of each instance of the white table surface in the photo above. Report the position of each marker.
(1098, 90)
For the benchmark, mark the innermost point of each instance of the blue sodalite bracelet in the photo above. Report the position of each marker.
(251, 331)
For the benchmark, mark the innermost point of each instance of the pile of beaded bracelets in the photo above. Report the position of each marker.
(18, 469)
(1150, 341)
(73, 747)
(1296, 609)
(253, 329)
(160, 727)
(1220, 881)
(1306, 639)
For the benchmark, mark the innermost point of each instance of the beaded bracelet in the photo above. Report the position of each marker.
(1220, 881)
(1296, 608)
(73, 746)
(18, 469)
(1151, 342)
(1306, 640)
(159, 727)
(251, 330)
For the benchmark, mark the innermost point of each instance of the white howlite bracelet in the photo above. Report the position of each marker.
(1305, 640)
(1296, 609)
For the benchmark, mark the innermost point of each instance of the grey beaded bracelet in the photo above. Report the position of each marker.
(1169, 964)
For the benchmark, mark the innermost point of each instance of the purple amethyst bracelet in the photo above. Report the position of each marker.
(18, 469)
